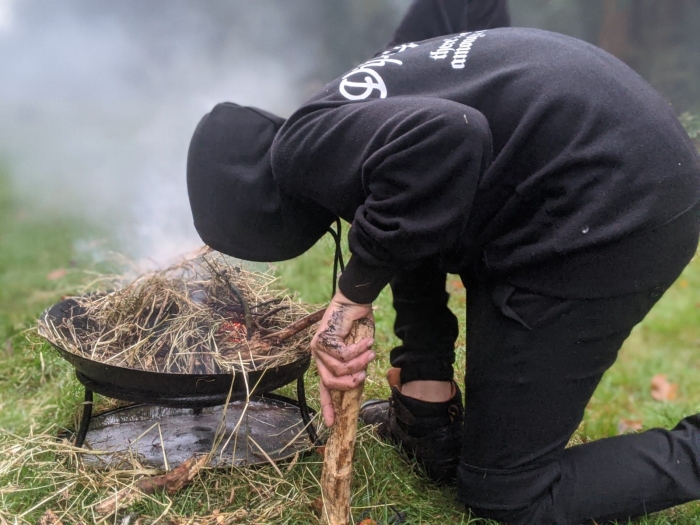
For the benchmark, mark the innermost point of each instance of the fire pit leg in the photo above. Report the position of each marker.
(304, 409)
(84, 419)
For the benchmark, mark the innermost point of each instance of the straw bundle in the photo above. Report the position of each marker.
(203, 316)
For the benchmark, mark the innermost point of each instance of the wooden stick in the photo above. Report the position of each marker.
(336, 478)
(294, 328)
(172, 481)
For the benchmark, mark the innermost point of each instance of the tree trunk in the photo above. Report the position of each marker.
(614, 28)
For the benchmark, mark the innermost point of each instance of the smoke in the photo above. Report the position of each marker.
(6, 15)
(98, 101)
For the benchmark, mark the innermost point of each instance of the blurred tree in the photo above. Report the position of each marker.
(653, 37)
(657, 38)
(614, 27)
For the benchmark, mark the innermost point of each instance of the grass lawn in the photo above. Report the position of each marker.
(39, 396)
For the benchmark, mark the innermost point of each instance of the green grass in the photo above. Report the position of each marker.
(39, 395)
(34, 385)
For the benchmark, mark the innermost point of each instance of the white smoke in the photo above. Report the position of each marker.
(97, 109)
(6, 15)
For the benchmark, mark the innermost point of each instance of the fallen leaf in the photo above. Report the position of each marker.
(662, 389)
(56, 274)
(626, 426)
(49, 518)
(455, 284)
(683, 283)
(317, 506)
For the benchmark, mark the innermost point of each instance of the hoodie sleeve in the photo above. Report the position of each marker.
(432, 18)
(404, 170)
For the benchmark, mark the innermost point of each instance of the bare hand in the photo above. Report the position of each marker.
(340, 366)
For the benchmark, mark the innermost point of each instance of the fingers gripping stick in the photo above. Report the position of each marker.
(336, 478)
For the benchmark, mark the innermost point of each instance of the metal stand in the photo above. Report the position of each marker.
(84, 419)
(304, 409)
(86, 415)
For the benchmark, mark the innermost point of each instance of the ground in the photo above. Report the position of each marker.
(41, 259)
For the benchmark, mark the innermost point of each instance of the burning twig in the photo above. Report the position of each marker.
(271, 313)
(295, 328)
(266, 303)
(241, 299)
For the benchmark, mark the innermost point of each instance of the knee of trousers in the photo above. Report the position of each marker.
(522, 495)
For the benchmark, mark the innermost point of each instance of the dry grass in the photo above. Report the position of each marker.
(73, 491)
(202, 316)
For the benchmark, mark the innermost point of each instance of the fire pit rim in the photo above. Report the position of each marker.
(174, 389)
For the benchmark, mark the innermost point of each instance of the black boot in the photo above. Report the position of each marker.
(431, 433)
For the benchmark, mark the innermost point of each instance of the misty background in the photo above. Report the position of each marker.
(98, 100)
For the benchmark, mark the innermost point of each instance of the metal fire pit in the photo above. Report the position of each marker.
(195, 392)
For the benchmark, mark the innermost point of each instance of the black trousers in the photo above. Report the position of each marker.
(533, 363)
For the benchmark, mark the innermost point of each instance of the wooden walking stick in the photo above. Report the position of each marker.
(336, 478)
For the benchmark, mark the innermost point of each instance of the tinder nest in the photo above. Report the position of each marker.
(203, 316)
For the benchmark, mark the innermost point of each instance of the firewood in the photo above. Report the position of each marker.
(336, 478)
(172, 482)
(294, 328)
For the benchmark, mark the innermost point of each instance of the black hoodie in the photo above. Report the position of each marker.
(539, 155)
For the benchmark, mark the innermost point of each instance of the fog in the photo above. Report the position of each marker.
(98, 100)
